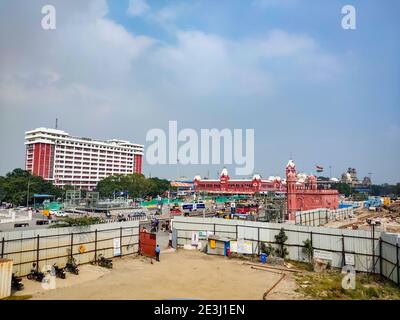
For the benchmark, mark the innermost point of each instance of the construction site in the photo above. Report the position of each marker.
(305, 243)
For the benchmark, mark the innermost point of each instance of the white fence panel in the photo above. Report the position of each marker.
(364, 245)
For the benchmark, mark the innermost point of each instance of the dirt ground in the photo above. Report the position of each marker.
(183, 274)
(390, 221)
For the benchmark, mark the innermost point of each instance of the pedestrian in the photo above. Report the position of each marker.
(157, 253)
(170, 239)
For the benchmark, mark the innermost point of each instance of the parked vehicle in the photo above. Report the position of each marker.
(59, 213)
(71, 266)
(59, 272)
(175, 210)
(21, 225)
(16, 283)
(136, 214)
(42, 222)
(121, 217)
(35, 274)
(103, 262)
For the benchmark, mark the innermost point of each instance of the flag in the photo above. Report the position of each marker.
(319, 168)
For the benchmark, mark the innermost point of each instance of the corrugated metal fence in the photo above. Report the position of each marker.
(371, 252)
(48, 246)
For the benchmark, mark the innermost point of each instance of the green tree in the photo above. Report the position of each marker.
(343, 188)
(135, 184)
(16, 183)
(308, 249)
(280, 239)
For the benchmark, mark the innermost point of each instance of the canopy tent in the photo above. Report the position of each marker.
(38, 195)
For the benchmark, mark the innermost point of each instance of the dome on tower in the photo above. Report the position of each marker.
(224, 172)
(302, 177)
(290, 164)
(197, 177)
(256, 177)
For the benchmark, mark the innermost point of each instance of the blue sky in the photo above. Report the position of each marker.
(286, 68)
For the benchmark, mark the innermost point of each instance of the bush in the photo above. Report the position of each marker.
(308, 249)
(76, 222)
(267, 249)
(281, 238)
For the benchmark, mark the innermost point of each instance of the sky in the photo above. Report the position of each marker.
(287, 69)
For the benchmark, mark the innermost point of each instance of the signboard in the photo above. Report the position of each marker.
(323, 255)
(187, 206)
(199, 206)
(349, 259)
(195, 238)
(204, 234)
(117, 247)
(242, 246)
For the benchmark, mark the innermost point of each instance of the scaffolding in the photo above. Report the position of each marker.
(72, 198)
(274, 208)
(92, 199)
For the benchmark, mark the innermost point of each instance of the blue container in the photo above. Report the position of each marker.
(263, 257)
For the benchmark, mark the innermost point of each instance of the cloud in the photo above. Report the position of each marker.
(103, 80)
(137, 7)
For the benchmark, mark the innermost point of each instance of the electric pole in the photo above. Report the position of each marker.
(27, 195)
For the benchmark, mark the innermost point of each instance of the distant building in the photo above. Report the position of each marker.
(226, 185)
(350, 177)
(305, 195)
(66, 160)
(366, 181)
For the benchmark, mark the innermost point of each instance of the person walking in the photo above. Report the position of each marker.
(170, 239)
(157, 253)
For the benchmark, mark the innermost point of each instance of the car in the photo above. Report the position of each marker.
(136, 214)
(20, 225)
(59, 213)
(42, 222)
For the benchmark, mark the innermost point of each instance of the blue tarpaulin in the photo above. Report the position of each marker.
(37, 195)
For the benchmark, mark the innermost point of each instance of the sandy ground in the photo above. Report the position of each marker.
(180, 274)
(390, 221)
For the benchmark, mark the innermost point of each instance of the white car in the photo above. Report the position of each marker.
(59, 213)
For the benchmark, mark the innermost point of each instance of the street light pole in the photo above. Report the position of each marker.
(27, 195)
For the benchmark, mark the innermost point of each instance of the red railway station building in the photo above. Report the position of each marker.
(305, 195)
(303, 192)
(226, 185)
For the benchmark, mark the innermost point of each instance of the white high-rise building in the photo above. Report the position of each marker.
(66, 160)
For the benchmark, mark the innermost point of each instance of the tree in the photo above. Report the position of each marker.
(343, 188)
(308, 249)
(135, 184)
(280, 239)
(16, 183)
